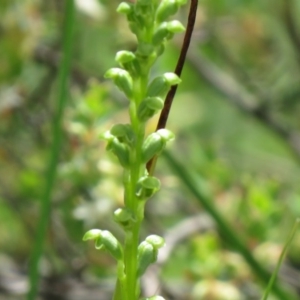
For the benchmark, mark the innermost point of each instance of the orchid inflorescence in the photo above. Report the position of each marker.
(148, 20)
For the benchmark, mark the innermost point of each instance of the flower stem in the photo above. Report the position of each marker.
(131, 178)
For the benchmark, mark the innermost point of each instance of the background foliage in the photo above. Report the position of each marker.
(236, 119)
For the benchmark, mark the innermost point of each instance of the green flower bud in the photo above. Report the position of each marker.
(155, 143)
(105, 240)
(161, 84)
(112, 245)
(122, 79)
(149, 107)
(134, 21)
(166, 9)
(124, 133)
(119, 139)
(124, 56)
(107, 136)
(146, 187)
(166, 134)
(124, 217)
(145, 10)
(161, 33)
(121, 150)
(146, 256)
(125, 8)
(92, 234)
(127, 60)
(156, 241)
(166, 31)
(175, 26)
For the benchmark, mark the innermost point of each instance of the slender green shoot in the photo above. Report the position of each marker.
(62, 95)
(280, 261)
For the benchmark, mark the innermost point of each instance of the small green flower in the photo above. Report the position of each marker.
(166, 31)
(156, 241)
(122, 80)
(105, 240)
(149, 107)
(124, 56)
(146, 187)
(125, 8)
(155, 143)
(161, 84)
(128, 61)
(168, 8)
(124, 133)
(125, 217)
(121, 150)
(146, 257)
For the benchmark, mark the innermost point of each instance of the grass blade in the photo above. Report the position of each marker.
(45, 208)
(280, 261)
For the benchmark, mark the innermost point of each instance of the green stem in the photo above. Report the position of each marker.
(131, 178)
(132, 237)
(55, 150)
(280, 261)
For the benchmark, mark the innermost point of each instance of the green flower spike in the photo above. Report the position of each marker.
(148, 20)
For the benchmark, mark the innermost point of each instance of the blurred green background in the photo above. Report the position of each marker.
(236, 117)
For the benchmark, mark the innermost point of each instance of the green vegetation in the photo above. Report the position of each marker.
(229, 182)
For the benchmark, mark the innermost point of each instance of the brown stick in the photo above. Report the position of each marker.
(180, 63)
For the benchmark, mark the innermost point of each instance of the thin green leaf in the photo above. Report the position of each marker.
(280, 261)
(62, 96)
